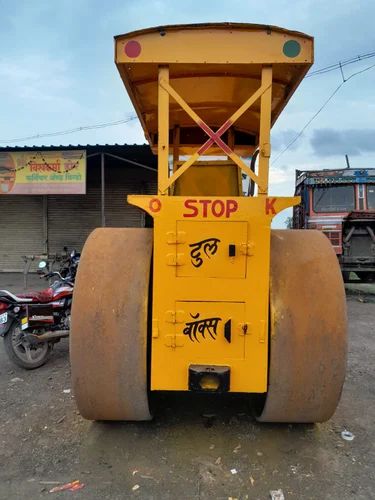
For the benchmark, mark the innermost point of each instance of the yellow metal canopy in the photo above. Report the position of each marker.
(214, 68)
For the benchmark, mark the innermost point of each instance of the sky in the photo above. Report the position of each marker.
(57, 73)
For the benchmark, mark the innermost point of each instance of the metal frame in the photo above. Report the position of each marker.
(165, 91)
(102, 176)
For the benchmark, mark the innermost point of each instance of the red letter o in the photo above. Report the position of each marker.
(221, 208)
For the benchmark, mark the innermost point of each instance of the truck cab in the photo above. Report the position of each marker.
(341, 204)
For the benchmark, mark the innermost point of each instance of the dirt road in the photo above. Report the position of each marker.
(195, 448)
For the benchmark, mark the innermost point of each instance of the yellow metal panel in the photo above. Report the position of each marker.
(209, 178)
(244, 45)
(180, 221)
(200, 331)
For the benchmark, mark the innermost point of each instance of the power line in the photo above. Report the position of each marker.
(319, 111)
(308, 123)
(69, 131)
(317, 72)
(340, 64)
(359, 72)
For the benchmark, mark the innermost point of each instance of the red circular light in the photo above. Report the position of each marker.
(132, 49)
(155, 205)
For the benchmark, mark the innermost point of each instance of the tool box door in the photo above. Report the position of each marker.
(212, 249)
(211, 331)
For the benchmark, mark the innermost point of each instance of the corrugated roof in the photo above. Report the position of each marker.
(140, 153)
(90, 147)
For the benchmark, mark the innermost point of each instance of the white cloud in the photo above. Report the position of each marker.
(278, 176)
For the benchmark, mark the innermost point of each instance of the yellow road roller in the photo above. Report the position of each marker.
(210, 299)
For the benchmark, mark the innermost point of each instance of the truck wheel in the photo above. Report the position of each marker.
(366, 276)
(109, 332)
(308, 329)
(346, 276)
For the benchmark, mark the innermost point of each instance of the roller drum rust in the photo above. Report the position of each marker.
(308, 329)
(108, 343)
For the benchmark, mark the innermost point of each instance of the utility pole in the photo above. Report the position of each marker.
(347, 161)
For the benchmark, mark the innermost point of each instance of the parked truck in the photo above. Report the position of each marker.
(341, 203)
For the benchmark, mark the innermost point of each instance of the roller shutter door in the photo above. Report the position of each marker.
(152, 186)
(71, 218)
(21, 230)
(119, 182)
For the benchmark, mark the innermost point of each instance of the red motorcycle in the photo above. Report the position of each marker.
(32, 323)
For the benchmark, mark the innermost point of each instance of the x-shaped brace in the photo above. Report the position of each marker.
(214, 137)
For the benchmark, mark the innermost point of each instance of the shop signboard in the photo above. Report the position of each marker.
(43, 172)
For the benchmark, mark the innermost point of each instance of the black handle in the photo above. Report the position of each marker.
(232, 250)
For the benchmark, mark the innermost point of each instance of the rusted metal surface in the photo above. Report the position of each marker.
(108, 343)
(308, 338)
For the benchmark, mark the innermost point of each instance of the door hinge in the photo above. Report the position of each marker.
(174, 341)
(174, 259)
(175, 316)
(174, 238)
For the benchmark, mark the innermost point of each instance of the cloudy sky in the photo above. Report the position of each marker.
(57, 73)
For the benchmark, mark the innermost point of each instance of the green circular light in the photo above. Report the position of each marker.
(291, 48)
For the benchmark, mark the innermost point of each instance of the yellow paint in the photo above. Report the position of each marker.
(163, 127)
(229, 287)
(265, 129)
(215, 69)
(211, 257)
(201, 179)
(246, 44)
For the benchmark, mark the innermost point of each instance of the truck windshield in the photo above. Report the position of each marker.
(371, 196)
(334, 199)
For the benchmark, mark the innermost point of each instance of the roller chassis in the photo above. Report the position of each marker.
(210, 299)
(306, 351)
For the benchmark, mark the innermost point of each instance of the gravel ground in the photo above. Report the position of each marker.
(197, 447)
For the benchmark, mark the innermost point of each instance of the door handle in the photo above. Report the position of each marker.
(232, 250)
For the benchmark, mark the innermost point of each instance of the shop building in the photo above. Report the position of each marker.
(46, 204)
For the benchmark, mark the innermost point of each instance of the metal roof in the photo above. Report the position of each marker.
(140, 153)
(91, 147)
(223, 25)
(335, 176)
(216, 67)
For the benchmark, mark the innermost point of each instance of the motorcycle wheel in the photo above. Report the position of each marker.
(22, 353)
